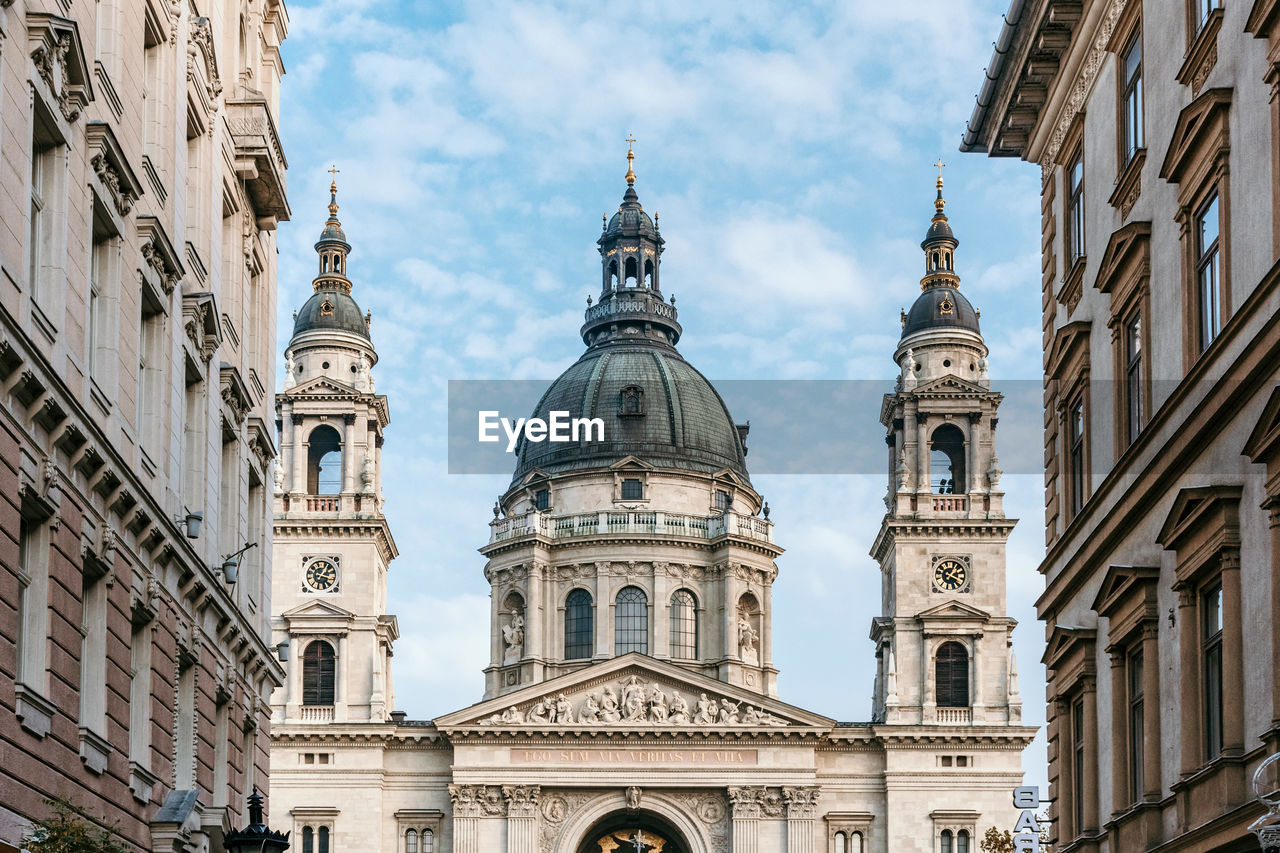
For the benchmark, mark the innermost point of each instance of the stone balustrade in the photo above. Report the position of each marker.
(625, 522)
(955, 716)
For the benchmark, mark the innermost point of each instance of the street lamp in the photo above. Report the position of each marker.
(1267, 827)
(256, 837)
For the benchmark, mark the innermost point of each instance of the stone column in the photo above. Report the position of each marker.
(1189, 683)
(537, 626)
(745, 805)
(1272, 505)
(660, 620)
(1090, 755)
(1232, 656)
(348, 451)
(1151, 712)
(340, 685)
(801, 809)
(977, 700)
(522, 817)
(299, 457)
(467, 807)
(922, 456)
(1119, 720)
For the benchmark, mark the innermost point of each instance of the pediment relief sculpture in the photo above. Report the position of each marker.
(633, 701)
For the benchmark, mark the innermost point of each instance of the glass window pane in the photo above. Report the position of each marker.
(411, 842)
(684, 625)
(579, 627)
(631, 622)
(1207, 225)
(324, 839)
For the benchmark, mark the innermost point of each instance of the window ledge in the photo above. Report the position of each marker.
(94, 751)
(33, 711)
(141, 782)
(1069, 293)
(1202, 55)
(1129, 184)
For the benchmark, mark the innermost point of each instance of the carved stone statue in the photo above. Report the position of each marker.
(728, 713)
(994, 472)
(747, 637)
(909, 370)
(752, 716)
(983, 379)
(609, 712)
(538, 713)
(279, 477)
(590, 712)
(633, 798)
(679, 709)
(658, 705)
(633, 699)
(362, 373)
(705, 711)
(289, 368)
(513, 636)
(564, 709)
(367, 475)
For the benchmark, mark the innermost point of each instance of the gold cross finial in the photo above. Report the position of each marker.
(630, 141)
(333, 184)
(939, 166)
(631, 156)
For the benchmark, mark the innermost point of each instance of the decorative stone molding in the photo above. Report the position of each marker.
(746, 803)
(522, 800)
(802, 802)
(111, 167)
(160, 259)
(202, 62)
(59, 61)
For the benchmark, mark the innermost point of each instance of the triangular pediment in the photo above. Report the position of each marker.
(323, 386)
(1070, 342)
(1201, 123)
(1264, 440)
(317, 609)
(631, 463)
(954, 611)
(949, 385)
(726, 474)
(1066, 640)
(628, 694)
(1119, 581)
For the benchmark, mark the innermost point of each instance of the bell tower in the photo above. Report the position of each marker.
(943, 639)
(333, 547)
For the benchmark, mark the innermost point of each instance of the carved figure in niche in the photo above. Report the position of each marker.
(679, 709)
(633, 798)
(289, 368)
(367, 475)
(564, 709)
(983, 379)
(903, 471)
(279, 477)
(728, 712)
(994, 472)
(362, 373)
(705, 711)
(747, 639)
(909, 370)
(633, 695)
(590, 712)
(658, 705)
(538, 713)
(609, 712)
(513, 636)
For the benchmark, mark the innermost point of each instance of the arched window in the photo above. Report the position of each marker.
(411, 841)
(934, 261)
(855, 843)
(324, 263)
(579, 625)
(631, 622)
(308, 840)
(946, 461)
(951, 676)
(648, 274)
(841, 842)
(613, 275)
(318, 674)
(962, 841)
(323, 837)
(324, 461)
(946, 842)
(428, 841)
(632, 273)
(684, 625)
(337, 263)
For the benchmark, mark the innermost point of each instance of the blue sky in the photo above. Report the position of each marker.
(787, 147)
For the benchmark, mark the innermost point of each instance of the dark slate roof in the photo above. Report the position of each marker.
(346, 314)
(939, 230)
(685, 425)
(927, 313)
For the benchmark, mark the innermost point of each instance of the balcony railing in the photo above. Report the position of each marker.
(317, 713)
(950, 503)
(260, 160)
(955, 716)
(610, 522)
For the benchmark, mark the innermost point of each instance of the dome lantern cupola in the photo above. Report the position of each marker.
(940, 305)
(332, 249)
(631, 303)
(939, 245)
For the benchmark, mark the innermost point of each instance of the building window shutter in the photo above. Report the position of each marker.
(952, 676)
(318, 674)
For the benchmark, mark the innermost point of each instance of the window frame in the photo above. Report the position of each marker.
(1211, 670)
(576, 637)
(1206, 258)
(953, 680)
(1135, 701)
(319, 691)
(1077, 452)
(1132, 347)
(1073, 208)
(684, 627)
(628, 625)
(1132, 135)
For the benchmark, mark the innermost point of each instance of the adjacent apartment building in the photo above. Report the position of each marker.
(1156, 127)
(141, 181)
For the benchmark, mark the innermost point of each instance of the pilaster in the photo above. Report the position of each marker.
(746, 805)
(522, 817)
(801, 810)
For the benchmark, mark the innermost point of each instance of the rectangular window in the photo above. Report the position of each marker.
(1136, 735)
(542, 499)
(43, 161)
(103, 296)
(253, 561)
(194, 452)
(632, 490)
(150, 371)
(229, 500)
(722, 500)
(1133, 375)
(1075, 209)
(1208, 274)
(93, 652)
(184, 728)
(1078, 785)
(1201, 10)
(25, 639)
(140, 695)
(1211, 655)
(1076, 454)
(1131, 97)
(153, 42)
(33, 601)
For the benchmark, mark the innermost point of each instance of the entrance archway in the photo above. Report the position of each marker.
(636, 831)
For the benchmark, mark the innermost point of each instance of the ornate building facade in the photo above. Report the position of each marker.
(631, 695)
(142, 183)
(1156, 127)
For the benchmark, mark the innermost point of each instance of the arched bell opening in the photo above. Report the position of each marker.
(946, 461)
(648, 275)
(636, 831)
(632, 273)
(324, 461)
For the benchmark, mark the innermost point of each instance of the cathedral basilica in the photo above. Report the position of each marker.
(631, 699)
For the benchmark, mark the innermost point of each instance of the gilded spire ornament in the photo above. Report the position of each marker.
(631, 156)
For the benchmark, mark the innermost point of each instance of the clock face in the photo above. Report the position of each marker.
(950, 575)
(322, 575)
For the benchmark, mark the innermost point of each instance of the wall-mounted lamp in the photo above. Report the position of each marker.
(282, 651)
(231, 563)
(191, 520)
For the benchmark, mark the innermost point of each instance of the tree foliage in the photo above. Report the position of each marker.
(66, 830)
(996, 841)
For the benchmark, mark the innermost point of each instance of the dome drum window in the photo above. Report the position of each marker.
(631, 621)
(631, 401)
(326, 308)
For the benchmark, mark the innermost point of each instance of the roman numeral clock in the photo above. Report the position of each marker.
(951, 574)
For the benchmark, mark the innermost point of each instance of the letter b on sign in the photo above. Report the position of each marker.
(1026, 798)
